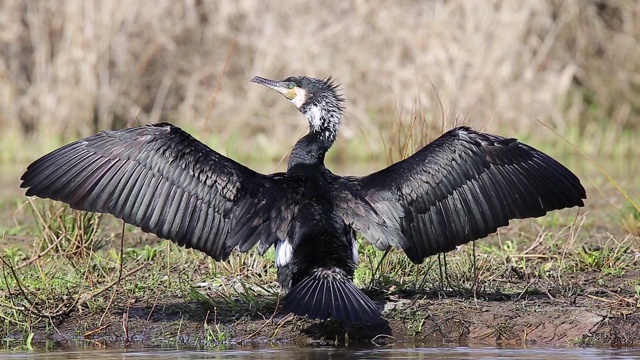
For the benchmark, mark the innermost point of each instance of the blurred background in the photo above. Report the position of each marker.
(408, 69)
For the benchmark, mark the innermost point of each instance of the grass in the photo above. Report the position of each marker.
(630, 218)
(95, 283)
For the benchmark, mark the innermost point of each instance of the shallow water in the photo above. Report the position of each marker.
(335, 353)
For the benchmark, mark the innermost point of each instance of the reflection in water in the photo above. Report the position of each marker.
(312, 353)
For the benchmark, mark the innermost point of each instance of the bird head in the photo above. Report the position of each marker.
(302, 90)
(317, 99)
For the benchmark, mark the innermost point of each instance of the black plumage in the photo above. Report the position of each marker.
(459, 188)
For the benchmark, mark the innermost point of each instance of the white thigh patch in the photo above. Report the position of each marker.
(354, 251)
(284, 251)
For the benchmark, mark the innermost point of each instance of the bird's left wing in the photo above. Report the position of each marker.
(163, 180)
(459, 188)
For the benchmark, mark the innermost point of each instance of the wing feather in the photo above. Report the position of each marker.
(461, 187)
(161, 179)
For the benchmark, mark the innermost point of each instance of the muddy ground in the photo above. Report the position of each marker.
(592, 315)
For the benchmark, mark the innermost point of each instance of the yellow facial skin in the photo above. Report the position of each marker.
(290, 94)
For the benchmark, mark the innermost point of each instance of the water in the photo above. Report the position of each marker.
(312, 353)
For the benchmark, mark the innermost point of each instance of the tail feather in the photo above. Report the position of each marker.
(328, 294)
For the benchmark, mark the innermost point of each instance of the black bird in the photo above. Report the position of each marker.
(459, 188)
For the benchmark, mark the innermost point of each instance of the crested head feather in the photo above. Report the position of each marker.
(323, 106)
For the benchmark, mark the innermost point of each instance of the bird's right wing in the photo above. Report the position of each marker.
(163, 180)
(459, 188)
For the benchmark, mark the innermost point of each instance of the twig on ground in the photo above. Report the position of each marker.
(263, 324)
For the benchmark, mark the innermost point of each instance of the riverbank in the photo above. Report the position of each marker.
(561, 286)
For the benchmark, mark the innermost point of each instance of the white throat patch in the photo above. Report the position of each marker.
(301, 97)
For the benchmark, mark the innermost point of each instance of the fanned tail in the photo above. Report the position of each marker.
(329, 294)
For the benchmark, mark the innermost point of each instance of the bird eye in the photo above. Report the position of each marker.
(292, 85)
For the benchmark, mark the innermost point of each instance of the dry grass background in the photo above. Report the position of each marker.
(71, 68)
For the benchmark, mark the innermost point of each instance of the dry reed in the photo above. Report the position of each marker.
(75, 67)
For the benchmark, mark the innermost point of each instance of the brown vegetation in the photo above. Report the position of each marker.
(75, 67)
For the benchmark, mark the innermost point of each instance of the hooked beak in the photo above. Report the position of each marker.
(279, 86)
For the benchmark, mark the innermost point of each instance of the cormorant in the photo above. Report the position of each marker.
(459, 188)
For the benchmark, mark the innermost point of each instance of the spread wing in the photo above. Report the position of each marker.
(462, 187)
(166, 182)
